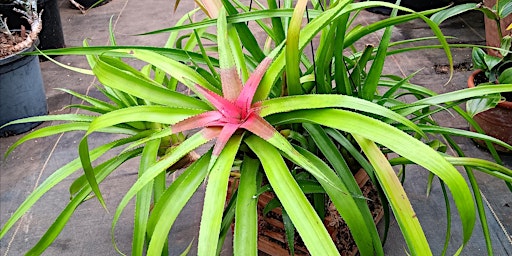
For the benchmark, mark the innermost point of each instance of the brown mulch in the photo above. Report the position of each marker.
(6, 43)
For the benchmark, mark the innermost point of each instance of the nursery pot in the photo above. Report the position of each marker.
(51, 36)
(21, 92)
(419, 5)
(496, 122)
(88, 3)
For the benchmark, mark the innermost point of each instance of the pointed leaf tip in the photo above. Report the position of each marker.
(231, 83)
(197, 121)
(244, 101)
(259, 126)
(225, 134)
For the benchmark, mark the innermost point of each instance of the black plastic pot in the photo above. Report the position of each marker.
(21, 92)
(51, 36)
(419, 5)
(89, 3)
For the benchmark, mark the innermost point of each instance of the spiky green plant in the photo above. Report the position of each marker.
(293, 113)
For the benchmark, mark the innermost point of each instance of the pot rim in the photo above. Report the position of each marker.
(471, 84)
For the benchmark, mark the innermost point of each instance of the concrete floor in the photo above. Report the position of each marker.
(88, 232)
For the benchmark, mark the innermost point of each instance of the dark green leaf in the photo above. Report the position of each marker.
(477, 56)
(452, 12)
(482, 104)
(506, 77)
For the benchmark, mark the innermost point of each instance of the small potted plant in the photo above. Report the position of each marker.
(51, 35)
(493, 113)
(497, 22)
(274, 114)
(21, 83)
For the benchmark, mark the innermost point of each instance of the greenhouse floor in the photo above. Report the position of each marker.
(88, 232)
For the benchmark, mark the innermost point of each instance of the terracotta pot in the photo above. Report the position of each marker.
(271, 233)
(491, 29)
(496, 122)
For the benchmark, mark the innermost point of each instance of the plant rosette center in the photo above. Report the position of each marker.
(232, 112)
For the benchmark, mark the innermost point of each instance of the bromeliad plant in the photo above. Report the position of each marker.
(291, 113)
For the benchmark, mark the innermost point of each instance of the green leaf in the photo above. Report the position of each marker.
(293, 51)
(91, 100)
(85, 159)
(302, 214)
(372, 80)
(245, 34)
(360, 31)
(215, 198)
(277, 24)
(49, 131)
(477, 56)
(112, 76)
(291, 103)
(505, 8)
(452, 12)
(173, 200)
(112, 51)
(506, 77)
(226, 59)
(245, 237)
(233, 18)
(485, 166)
(464, 133)
(289, 230)
(143, 199)
(331, 152)
(506, 44)
(359, 221)
(479, 105)
(152, 172)
(155, 114)
(453, 97)
(54, 230)
(400, 204)
(63, 117)
(399, 142)
(491, 61)
(180, 71)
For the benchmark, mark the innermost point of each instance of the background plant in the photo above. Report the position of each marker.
(316, 108)
(28, 10)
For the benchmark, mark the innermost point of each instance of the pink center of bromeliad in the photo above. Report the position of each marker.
(233, 111)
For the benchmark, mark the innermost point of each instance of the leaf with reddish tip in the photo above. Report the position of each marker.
(225, 134)
(259, 126)
(197, 121)
(211, 132)
(244, 101)
(212, 7)
(231, 83)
